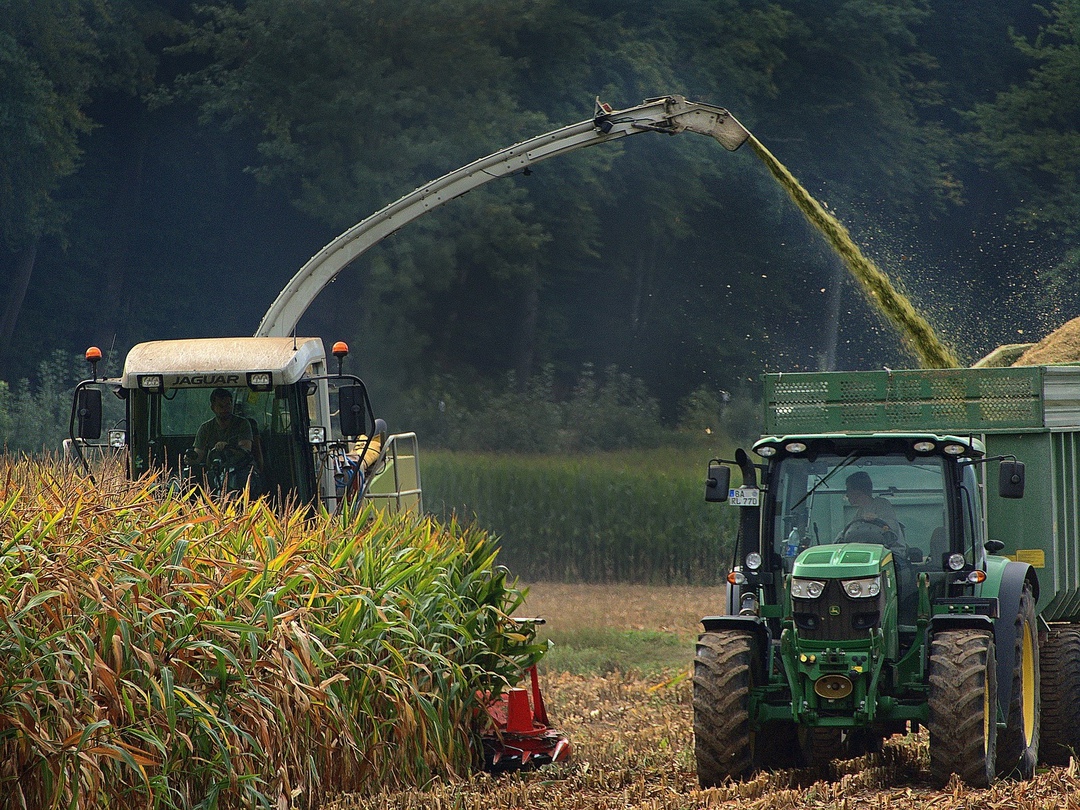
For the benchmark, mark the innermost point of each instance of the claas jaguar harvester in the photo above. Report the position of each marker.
(314, 439)
(945, 598)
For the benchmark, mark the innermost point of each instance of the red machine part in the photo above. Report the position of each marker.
(521, 736)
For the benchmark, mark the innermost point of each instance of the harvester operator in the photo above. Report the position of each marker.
(225, 433)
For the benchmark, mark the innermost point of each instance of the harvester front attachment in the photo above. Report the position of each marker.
(520, 735)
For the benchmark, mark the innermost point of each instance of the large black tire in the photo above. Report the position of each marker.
(1018, 745)
(723, 677)
(1060, 678)
(963, 707)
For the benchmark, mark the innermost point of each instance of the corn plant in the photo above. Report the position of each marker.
(164, 650)
(635, 517)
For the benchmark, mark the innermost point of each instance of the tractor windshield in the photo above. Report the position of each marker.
(888, 499)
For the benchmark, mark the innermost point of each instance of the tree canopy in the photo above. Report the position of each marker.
(169, 165)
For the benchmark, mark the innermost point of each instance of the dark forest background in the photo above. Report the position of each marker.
(165, 168)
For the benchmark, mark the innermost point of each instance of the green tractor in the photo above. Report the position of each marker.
(881, 586)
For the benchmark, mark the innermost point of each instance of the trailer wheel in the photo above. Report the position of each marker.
(723, 677)
(1018, 746)
(963, 707)
(1060, 682)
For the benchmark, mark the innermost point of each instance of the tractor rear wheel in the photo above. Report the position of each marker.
(963, 707)
(723, 677)
(1060, 679)
(1018, 746)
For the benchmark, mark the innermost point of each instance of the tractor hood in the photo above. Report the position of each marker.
(841, 561)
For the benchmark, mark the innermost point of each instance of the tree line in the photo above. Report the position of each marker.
(168, 165)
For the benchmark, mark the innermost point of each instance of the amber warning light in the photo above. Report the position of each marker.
(93, 355)
(340, 351)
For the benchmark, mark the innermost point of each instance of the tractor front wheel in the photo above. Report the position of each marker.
(723, 677)
(963, 707)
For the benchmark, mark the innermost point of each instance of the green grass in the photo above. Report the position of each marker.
(605, 650)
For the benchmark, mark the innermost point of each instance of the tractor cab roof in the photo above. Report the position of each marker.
(914, 444)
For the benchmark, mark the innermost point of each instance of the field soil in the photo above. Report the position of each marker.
(633, 739)
(572, 608)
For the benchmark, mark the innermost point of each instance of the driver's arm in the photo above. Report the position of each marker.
(241, 439)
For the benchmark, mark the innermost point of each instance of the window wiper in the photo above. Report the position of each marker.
(846, 462)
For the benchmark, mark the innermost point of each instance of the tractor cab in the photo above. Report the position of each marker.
(307, 435)
(907, 495)
(907, 506)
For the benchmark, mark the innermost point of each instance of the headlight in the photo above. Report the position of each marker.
(260, 381)
(807, 588)
(956, 561)
(862, 588)
(753, 561)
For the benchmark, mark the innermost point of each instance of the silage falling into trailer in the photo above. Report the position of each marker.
(913, 327)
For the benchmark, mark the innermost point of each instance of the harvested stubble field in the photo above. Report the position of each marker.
(633, 741)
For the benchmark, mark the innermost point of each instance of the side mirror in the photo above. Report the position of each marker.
(352, 413)
(1011, 479)
(993, 546)
(717, 483)
(88, 413)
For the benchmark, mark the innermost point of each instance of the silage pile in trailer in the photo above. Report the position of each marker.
(155, 652)
(1060, 346)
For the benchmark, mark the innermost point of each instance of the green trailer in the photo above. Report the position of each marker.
(893, 572)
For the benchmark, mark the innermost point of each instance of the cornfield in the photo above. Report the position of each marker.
(614, 517)
(176, 652)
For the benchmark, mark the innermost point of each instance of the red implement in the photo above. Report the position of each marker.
(520, 736)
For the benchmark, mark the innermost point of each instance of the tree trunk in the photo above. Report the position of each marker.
(835, 296)
(647, 257)
(126, 205)
(525, 345)
(24, 269)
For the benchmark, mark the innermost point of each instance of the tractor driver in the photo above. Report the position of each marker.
(225, 433)
(872, 511)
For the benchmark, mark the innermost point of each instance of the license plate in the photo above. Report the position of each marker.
(743, 496)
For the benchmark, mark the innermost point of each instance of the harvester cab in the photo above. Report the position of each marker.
(867, 598)
(310, 436)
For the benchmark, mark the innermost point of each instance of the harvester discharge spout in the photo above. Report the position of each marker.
(667, 114)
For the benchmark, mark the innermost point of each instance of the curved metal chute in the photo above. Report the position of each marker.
(667, 114)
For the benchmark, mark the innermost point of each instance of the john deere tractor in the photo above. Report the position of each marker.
(891, 575)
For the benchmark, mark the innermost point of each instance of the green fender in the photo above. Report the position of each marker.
(1005, 580)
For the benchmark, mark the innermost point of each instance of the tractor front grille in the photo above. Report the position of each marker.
(835, 616)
